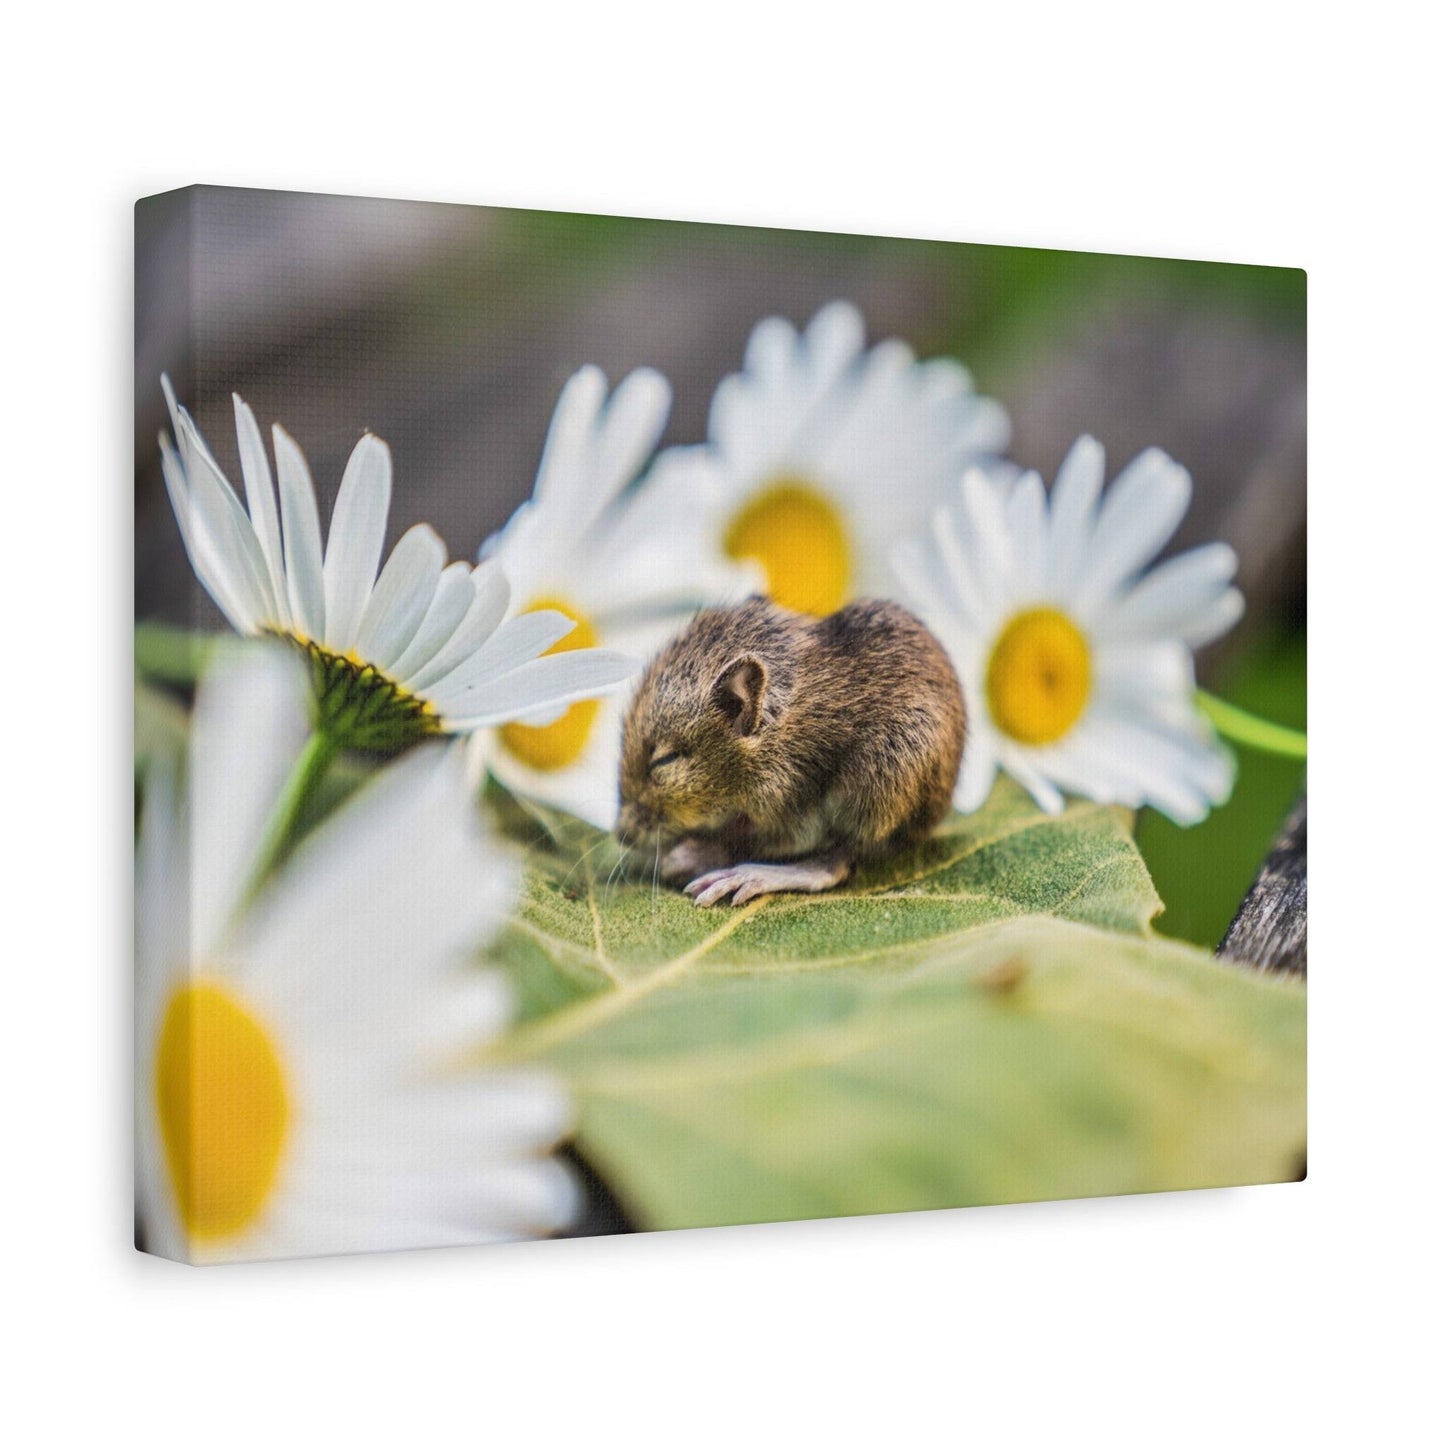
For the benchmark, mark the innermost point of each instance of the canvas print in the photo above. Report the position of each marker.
(642, 725)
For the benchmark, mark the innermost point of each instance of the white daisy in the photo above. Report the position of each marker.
(625, 565)
(1076, 662)
(821, 456)
(422, 648)
(298, 1089)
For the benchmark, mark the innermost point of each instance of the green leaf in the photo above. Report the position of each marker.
(161, 724)
(984, 1020)
(174, 656)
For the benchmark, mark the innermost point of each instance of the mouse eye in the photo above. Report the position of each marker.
(661, 760)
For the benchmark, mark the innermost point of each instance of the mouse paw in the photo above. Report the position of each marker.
(693, 856)
(746, 881)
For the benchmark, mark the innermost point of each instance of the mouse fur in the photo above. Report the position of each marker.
(767, 750)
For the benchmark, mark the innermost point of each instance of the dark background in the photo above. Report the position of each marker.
(448, 330)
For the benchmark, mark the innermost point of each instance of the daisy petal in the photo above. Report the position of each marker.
(631, 428)
(1027, 514)
(354, 542)
(261, 502)
(834, 338)
(401, 597)
(517, 641)
(1071, 512)
(1215, 620)
(216, 509)
(1179, 773)
(301, 532)
(563, 473)
(491, 596)
(975, 778)
(986, 539)
(1176, 594)
(1142, 510)
(209, 561)
(955, 564)
(253, 706)
(449, 604)
(562, 677)
(363, 890)
(771, 350)
(1016, 761)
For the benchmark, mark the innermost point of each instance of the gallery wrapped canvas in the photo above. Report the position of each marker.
(644, 725)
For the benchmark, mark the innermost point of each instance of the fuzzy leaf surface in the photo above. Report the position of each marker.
(985, 1020)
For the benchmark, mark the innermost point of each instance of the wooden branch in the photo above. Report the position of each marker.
(1268, 932)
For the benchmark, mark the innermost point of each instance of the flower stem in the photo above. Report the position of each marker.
(294, 801)
(1250, 731)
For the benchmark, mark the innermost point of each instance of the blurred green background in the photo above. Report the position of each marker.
(449, 330)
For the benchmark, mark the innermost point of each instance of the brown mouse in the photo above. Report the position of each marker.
(770, 752)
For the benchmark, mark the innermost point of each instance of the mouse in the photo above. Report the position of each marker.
(768, 751)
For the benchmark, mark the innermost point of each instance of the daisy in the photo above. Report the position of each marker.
(298, 1089)
(423, 648)
(1076, 661)
(821, 455)
(626, 566)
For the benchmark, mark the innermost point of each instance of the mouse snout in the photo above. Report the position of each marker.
(634, 823)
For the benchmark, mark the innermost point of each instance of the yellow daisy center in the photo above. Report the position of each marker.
(558, 744)
(221, 1098)
(1039, 676)
(795, 532)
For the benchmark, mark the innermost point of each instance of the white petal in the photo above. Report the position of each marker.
(771, 349)
(987, 543)
(1072, 510)
(217, 512)
(1090, 768)
(401, 597)
(1178, 597)
(397, 883)
(490, 599)
(563, 471)
(251, 721)
(587, 788)
(518, 640)
(630, 573)
(1016, 761)
(562, 677)
(261, 502)
(480, 1008)
(1142, 510)
(924, 579)
(1155, 676)
(301, 528)
(355, 539)
(212, 562)
(975, 778)
(431, 898)
(595, 448)
(631, 427)
(956, 570)
(1026, 511)
(455, 595)
(529, 1196)
(1180, 773)
(834, 337)
(1215, 620)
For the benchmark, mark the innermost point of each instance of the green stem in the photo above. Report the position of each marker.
(1250, 731)
(296, 797)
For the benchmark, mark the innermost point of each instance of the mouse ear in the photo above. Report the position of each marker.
(738, 694)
